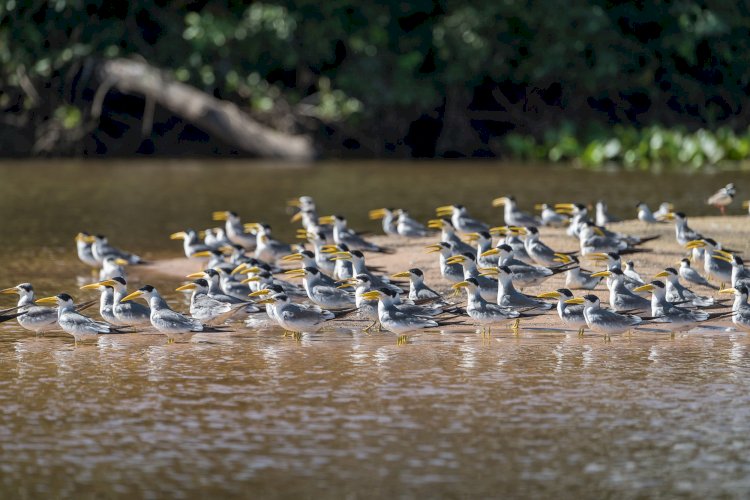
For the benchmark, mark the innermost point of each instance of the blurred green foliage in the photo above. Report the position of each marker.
(532, 78)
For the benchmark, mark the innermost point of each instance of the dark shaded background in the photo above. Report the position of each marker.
(484, 78)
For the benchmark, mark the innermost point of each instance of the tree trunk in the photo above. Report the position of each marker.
(219, 118)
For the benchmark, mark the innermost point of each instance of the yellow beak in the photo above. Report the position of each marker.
(499, 231)
(695, 244)
(435, 224)
(259, 293)
(460, 284)
(239, 268)
(188, 286)
(601, 274)
(293, 257)
(403, 274)
(376, 214)
(295, 273)
(220, 215)
(498, 202)
(456, 259)
(662, 274)
(444, 211)
(9, 290)
(92, 286)
(204, 253)
(719, 256)
(84, 238)
(296, 217)
(644, 288)
(598, 256)
(371, 295)
(575, 300)
(178, 236)
(47, 300)
(433, 248)
(327, 219)
(561, 257)
(549, 295)
(251, 279)
(196, 275)
(728, 290)
(132, 296)
(746, 204)
(121, 262)
(251, 226)
(491, 251)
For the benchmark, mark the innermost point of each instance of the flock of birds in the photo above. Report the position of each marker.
(247, 276)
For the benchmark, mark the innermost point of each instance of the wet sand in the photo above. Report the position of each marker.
(732, 231)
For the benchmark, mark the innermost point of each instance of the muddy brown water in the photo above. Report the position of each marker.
(341, 413)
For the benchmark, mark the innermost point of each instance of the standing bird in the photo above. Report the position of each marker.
(723, 197)
(126, 313)
(450, 271)
(603, 320)
(393, 319)
(684, 233)
(620, 297)
(550, 217)
(176, 326)
(664, 212)
(191, 243)
(82, 328)
(266, 247)
(570, 314)
(326, 296)
(234, 229)
(342, 234)
(577, 278)
(83, 247)
(461, 220)
(388, 217)
(539, 251)
(206, 309)
(714, 267)
(508, 296)
(646, 215)
(602, 216)
(295, 317)
(35, 318)
(677, 292)
(406, 226)
(418, 290)
(512, 214)
(689, 274)
(106, 301)
(672, 317)
(482, 312)
(101, 249)
(740, 307)
(112, 266)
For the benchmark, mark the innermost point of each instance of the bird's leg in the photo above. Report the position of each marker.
(722, 208)
(516, 324)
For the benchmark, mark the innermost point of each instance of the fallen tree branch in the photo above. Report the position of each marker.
(222, 119)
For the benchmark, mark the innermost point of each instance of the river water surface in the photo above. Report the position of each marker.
(346, 414)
